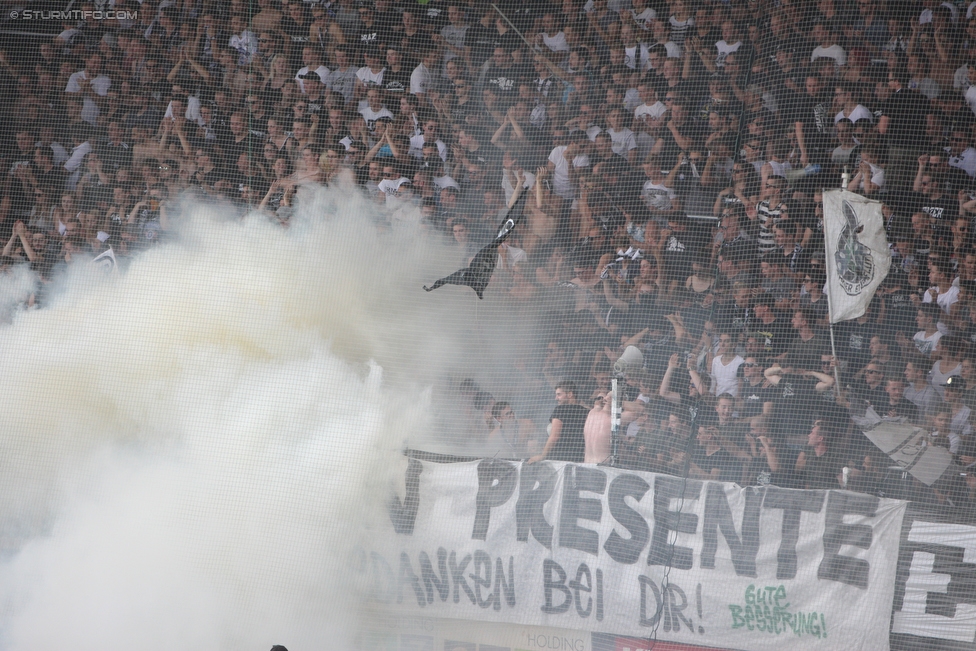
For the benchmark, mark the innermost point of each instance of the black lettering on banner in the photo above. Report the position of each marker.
(457, 577)
(599, 595)
(496, 483)
(382, 570)
(835, 567)
(537, 482)
(403, 515)
(430, 578)
(408, 577)
(620, 549)
(576, 480)
(644, 620)
(670, 603)
(934, 594)
(481, 577)
(503, 584)
(548, 567)
(793, 503)
(718, 516)
(579, 586)
(666, 521)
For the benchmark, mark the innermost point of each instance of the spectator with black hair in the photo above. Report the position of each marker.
(565, 441)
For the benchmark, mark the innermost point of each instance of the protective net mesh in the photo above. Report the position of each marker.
(645, 427)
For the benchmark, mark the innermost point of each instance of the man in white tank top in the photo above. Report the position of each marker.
(725, 368)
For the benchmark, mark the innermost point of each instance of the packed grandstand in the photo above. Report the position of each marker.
(671, 157)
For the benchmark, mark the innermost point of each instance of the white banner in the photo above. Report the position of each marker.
(857, 252)
(385, 632)
(614, 551)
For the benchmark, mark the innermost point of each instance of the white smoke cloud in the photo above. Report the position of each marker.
(188, 449)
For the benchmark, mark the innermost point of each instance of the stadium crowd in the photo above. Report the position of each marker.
(674, 154)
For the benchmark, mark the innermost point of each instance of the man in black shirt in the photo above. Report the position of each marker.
(503, 76)
(820, 465)
(775, 332)
(811, 116)
(898, 406)
(755, 398)
(899, 125)
(396, 77)
(565, 442)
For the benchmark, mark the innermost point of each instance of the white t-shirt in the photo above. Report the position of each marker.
(420, 80)
(323, 72)
(246, 44)
(725, 49)
(391, 188)
(622, 141)
(372, 116)
(940, 374)
(644, 18)
(653, 112)
(631, 99)
(454, 36)
(945, 300)
(417, 147)
(100, 84)
(556, 42)
(971, 99)
(925, 344)
(370, 78)
(561, 184)
(445, 182)
(965, 161)
(834, 52)
(859, 113)
(636, 57)
(657, 196)
(926, 15)
(725, 377)
(77, 156)
(877, 176)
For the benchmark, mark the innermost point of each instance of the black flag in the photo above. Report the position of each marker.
(477, 275)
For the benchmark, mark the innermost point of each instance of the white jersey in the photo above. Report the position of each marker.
(725, 377)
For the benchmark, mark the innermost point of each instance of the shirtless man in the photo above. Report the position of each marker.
(596, 430)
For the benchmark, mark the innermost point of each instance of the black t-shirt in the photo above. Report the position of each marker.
(877, 397)
(816, 116)
(680, 250)
(943, 209)
(731, 469)
(796, 405)
(397, 83)
(671, 149)
(776, 336)
(806, 354)
(760, 474)
(900, 312)
(853, 340)
(905, 408)
(754, 397)
(377, 35)
(482, 41)
(903, 109)
(570, 446)
(821, 472)
(734, 319)
(504, 81)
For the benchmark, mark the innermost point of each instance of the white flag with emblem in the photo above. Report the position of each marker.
(857, 252)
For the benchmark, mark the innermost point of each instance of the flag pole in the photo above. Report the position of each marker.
(830, 306)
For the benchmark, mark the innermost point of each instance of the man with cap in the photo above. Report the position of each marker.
(312, 59)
